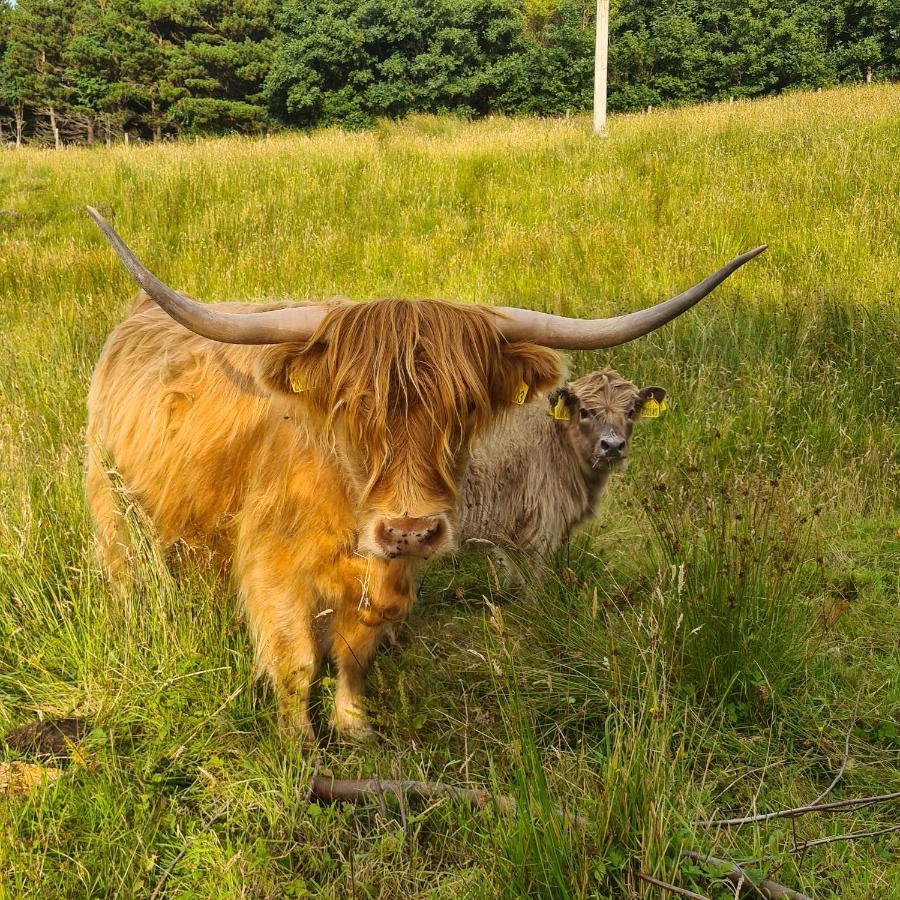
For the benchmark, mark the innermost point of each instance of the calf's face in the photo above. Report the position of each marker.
(598, 412)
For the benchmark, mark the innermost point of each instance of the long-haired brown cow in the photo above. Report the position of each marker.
(319, 446)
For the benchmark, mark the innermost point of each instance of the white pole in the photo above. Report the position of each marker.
(600, 55)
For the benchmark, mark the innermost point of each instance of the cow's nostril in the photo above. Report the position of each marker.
(420, 536)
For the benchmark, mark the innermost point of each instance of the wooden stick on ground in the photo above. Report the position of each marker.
(348, 790)
(737, 876)
(334, 790)
(835, 838)
(355, 790)
(851, 836)
(170, 868)
(844, 758)
(671, 888)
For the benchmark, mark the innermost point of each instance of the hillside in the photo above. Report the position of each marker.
(704, 650)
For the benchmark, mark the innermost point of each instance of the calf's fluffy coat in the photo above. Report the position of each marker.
(539, 473)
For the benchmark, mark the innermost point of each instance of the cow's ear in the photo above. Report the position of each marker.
(527, 371)
(657, 393)
(292, 369)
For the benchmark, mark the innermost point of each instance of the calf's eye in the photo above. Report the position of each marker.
(583, 414)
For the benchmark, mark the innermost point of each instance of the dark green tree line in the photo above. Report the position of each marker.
(87, 70)
(83, 70)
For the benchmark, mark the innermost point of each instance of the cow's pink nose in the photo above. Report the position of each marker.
(411, 537)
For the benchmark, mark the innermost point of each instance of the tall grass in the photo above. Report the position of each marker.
(698, 649)
(737, 557)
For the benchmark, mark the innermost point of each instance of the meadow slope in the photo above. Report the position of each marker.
(700, 651)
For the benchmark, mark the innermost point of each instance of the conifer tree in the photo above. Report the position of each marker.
(34, 71)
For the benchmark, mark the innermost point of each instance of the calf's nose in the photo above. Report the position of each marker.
(422, 536)
(612, 446)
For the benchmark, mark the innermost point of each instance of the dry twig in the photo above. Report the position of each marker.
(835, 838)
(844, 758)
(815, 805)
(671, 888)
(849, 805)
(850, 836)
(170, 868)
(349, 790)
(354, 790)
(737, 876)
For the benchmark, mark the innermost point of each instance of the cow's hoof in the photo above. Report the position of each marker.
(351, 725)
(299, 729)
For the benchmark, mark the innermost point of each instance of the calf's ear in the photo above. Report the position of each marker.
(657, 393)
(526, 371)
(563, 403)
(650, 393)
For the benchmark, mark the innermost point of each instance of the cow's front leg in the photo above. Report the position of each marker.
(292, 673)
(353, 647)
(280, 607)
(383, 594)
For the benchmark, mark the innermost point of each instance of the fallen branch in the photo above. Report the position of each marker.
(170, 868)
(764, 817)
(850, 836)
(671, 888)
(347, 790)
(849, 805)
(738, 877)
(333, 790)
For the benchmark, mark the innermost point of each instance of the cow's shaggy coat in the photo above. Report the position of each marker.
(281, 456)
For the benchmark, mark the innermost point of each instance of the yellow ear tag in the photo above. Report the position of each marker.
(560, 411)
(652, 408)
(297, 386)
(521, 393)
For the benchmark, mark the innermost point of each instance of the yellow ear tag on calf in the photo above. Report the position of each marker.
(560, 410)
(297, 385)
(652, 408)
(521, 393)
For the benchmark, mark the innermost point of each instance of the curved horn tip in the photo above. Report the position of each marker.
(100, 221)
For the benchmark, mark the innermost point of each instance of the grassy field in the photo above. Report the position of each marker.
(699, 652)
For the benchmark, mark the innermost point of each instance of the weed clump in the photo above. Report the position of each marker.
(738, 564)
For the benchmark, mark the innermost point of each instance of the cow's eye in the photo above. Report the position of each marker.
(471, 407)
(583, 414)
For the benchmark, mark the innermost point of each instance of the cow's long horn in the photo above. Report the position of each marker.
(275, 326)
(563, 333)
